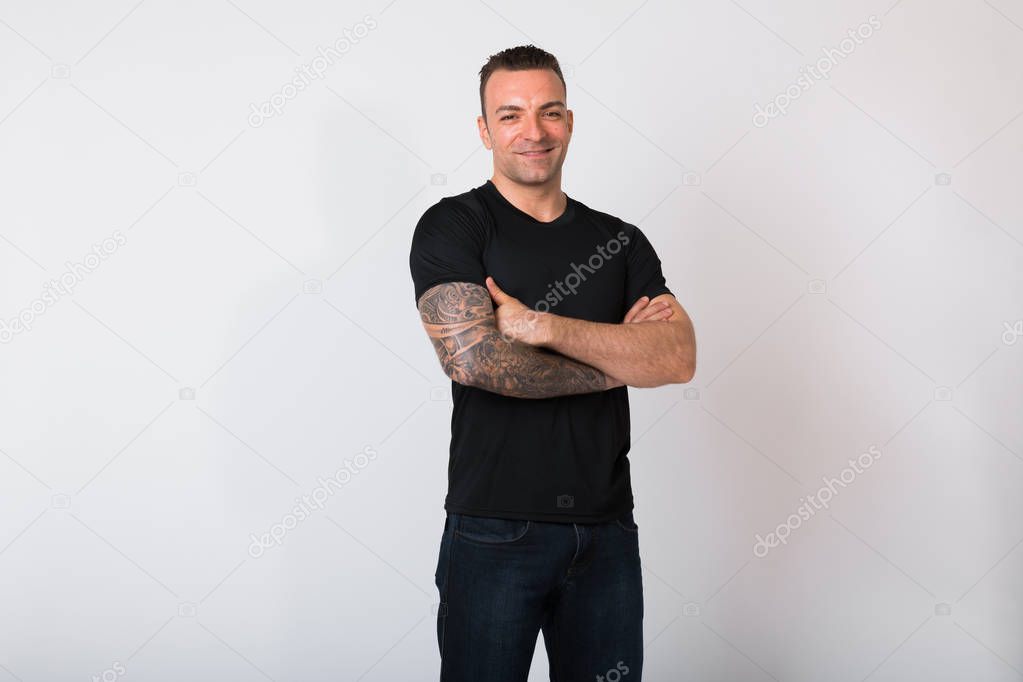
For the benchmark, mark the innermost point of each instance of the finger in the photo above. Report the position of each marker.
(658, 316)
(664, 314)
(650, 312)
(495, 291)
(646, 313)
(636, 307)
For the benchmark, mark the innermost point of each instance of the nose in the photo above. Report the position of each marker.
(533, 130)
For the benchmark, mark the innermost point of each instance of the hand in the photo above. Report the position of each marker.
(516, 321)
(642, 311)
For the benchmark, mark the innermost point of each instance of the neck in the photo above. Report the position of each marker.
(544, 202)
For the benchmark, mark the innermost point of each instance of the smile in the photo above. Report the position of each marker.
(532, 155)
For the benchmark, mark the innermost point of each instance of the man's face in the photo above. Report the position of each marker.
(528, 126)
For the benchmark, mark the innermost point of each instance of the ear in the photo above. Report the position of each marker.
(481, 124)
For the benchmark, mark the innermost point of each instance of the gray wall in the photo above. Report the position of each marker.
(853, 266)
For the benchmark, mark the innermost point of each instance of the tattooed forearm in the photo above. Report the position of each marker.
(459, 319)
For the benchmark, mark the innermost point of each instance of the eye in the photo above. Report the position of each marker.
(555, 113)
(507, 116)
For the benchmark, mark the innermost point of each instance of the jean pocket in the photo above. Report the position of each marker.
(488, 531)
(628, 522)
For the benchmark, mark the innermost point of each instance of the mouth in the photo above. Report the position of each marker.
(536, 154)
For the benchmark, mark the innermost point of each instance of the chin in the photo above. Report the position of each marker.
(534, 177)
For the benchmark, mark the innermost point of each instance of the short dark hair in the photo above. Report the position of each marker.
(520, 58)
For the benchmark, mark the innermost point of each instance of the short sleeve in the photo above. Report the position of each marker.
(447, 246)
(643, 269)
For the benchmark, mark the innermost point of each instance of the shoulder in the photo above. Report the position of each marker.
(463, 207)
(457, 223)
(611, 222)
(624, 232)
(595, 214)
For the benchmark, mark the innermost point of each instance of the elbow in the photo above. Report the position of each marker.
(462, 370)
(687, 363)
(679, 371)
(458, 373)
(682, 374)
(685, 373)
(685, 368)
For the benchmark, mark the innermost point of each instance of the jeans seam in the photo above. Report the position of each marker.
(556, 645)
(445, 598)
(623, 526)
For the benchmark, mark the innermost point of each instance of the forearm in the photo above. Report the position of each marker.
(522, 371)
(459, 320)
(643, 354)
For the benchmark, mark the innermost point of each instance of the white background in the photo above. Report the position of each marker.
(126, 510)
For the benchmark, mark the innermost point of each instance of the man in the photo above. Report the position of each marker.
(525, 294)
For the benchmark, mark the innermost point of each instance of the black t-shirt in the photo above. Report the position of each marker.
(557, 459)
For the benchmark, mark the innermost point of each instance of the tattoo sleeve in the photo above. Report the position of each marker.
(459, 319)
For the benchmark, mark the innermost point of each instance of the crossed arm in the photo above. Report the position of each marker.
(474, 350)
(641, 355)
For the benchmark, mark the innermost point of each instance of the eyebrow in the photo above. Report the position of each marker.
(515, 107)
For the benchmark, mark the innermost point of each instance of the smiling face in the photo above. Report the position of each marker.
(528, 126)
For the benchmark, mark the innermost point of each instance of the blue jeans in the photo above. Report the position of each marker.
(502, 581)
